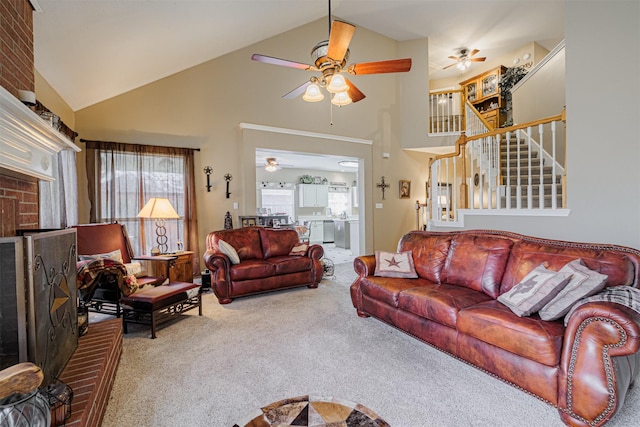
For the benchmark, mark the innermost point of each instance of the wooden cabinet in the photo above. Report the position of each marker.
(180, 269)
(313, 195)
(483, 92)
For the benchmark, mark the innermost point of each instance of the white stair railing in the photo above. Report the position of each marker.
(516, 168)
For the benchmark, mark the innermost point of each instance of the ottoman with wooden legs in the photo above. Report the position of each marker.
(160, 304)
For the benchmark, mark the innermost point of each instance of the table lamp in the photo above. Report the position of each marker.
(159, 209)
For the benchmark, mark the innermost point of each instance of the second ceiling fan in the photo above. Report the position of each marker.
(330, 58)
(465, 58)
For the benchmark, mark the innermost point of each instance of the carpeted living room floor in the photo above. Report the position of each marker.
(216, 369)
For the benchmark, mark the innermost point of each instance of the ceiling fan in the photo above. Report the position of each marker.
(465, 58)
(330, 58)
(272, 165)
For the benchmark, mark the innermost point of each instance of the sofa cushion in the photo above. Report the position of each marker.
(388, 289)
(477, 262)
(584, 282)
(229, 251)
(530, 337)
(429, 253)
(290, 264)
(115, 255)
(395, 264)
(252, 269)
(440, 303)
(277, 241)
(535, 290)
(246, 241)
(526, 255)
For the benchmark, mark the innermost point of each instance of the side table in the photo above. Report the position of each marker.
(179, 268)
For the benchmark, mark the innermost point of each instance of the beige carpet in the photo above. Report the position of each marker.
(216, 369)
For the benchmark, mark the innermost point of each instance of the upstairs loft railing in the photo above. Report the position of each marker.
(515, 169)
(447, 117)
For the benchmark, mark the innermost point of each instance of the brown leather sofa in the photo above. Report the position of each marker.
(265, 262)
(583, 369)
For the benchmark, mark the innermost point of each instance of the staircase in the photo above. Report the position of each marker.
(529, 172)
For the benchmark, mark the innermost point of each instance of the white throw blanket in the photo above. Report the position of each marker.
(624, 295)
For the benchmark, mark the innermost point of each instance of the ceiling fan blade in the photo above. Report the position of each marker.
(473, 52)
(449, 66)
(353, 92)
(339, 39)
(379, 67)
(282, 62)
(455, 58)
(481, 59)
(297, 91)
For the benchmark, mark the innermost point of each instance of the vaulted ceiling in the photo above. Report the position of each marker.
(90, 51)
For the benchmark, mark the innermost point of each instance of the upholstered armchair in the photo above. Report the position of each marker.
(107, 268)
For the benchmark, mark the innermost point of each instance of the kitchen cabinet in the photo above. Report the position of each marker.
(313, 195)
(483, 92)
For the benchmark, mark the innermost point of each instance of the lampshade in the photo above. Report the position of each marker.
(158, 208)
(340, 99)
(337, 84)
(313, 93)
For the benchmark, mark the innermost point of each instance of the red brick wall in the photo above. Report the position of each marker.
(18, 196)
(16, 46)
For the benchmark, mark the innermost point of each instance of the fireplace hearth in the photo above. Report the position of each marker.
(38, 300)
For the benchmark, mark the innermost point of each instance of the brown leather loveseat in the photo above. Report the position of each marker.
(584, 369)
(263, 262)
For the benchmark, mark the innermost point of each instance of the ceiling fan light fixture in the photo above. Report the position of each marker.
(341, 99)
(271, 168)
(313, 93)
(337, 84)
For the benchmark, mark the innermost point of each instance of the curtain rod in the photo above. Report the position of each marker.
(90, 140)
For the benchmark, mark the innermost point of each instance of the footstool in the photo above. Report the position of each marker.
(159, 304)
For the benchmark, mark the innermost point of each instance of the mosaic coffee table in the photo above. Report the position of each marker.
(314, 411)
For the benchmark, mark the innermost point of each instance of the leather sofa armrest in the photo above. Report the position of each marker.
(591, 387)
(219, 266)
(315, 252)
(365, 265)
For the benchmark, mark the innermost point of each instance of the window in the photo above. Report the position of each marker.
(123, 177)
(339, 200)
(278, 201)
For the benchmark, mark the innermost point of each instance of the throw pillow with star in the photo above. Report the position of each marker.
(395, 264)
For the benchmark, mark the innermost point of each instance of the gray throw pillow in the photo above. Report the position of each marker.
(584, 282)
(534, 291)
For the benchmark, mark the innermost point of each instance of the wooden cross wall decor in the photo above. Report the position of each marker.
(382, 185)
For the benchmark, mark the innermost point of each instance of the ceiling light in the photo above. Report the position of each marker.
(271, 168)
(313, 93)
(348, 163)
(341, 99)
(337, 84)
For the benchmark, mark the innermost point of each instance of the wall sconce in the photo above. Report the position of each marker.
(228, 178)
(207, 171)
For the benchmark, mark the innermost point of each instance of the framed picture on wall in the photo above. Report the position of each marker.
(405, 189)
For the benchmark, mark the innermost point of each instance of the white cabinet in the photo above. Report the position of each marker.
(313, 195)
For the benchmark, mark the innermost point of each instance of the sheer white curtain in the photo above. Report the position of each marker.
(59, 198)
